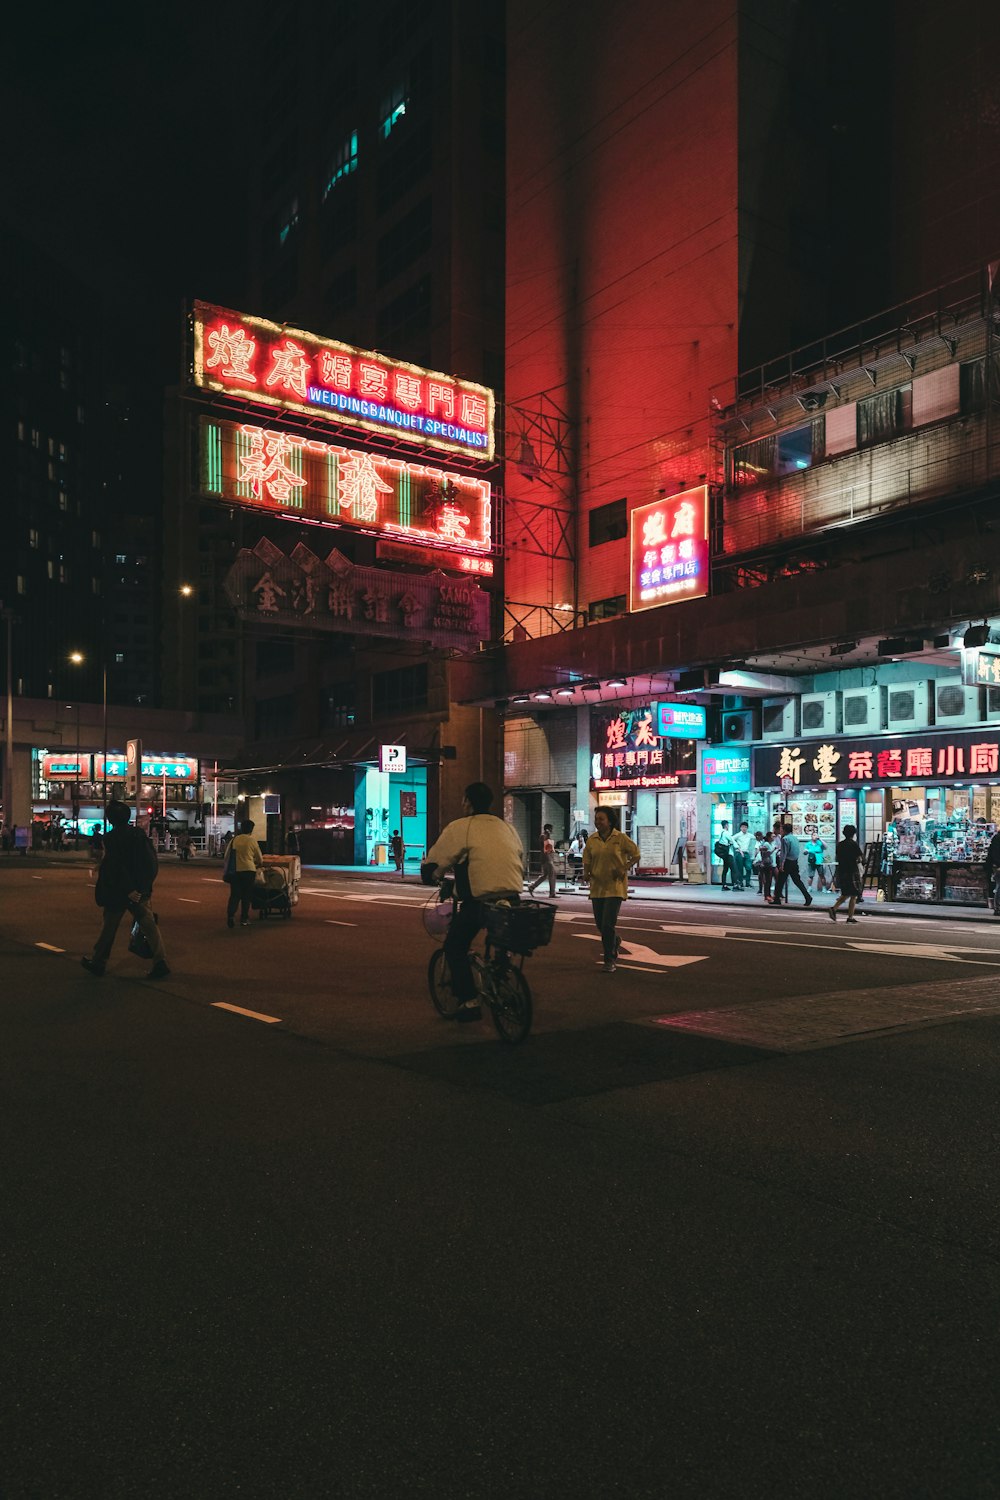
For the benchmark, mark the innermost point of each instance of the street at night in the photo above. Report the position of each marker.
(729, 1208)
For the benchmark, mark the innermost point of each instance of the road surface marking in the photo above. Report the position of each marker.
(641, 955)
(190, 900)
(332, 922)
(254, 1015)
(50, 948)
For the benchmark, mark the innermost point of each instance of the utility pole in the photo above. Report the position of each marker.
(8, 749)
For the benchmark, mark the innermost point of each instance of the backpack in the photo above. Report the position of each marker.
(721, 849)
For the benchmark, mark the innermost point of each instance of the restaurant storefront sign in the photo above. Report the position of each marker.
(960, 755)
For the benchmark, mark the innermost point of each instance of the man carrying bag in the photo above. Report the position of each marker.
(125, 884)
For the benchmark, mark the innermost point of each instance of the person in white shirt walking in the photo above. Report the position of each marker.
(743, 847)
(548, 870)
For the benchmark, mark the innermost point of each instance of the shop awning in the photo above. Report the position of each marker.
(350, 748)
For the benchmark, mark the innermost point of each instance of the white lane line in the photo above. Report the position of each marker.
(189, 900)
(254, 1015)
(50, 948)
(330, 922)
(36, 877)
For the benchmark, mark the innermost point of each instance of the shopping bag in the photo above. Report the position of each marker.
(138, 943)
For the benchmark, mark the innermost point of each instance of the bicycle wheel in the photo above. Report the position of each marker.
(446, 1003)
(510, 1003)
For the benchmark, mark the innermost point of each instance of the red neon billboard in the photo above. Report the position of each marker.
(274, 365)
(668, 550)
(303, 479)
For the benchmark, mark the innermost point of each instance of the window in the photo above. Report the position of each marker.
(404, 324)
(342, 293)
(606, 609)
(885, 414)
(32, 537)
(401, 691)
(342, 164)
(608, 523)
(393, 109)
(797, 449)
(403, 165)
(339, 706)
(287, 220)
(119, 657)
(63, 500)
(403, 244)
(274, 717)
(36, 438)
(95, 539)
(22, 584)
(22, 432)
(95, 585)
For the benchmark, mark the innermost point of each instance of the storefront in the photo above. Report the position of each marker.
(724, 779)
(638, 758)
(67, 790)
(932, 801)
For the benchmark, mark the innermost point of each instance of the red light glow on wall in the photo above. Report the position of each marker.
(277, 366)
(668, 550)
(306, 480)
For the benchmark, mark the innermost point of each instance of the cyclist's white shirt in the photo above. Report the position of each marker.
(495, 853)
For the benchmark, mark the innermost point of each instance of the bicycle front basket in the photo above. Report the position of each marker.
(522, 928)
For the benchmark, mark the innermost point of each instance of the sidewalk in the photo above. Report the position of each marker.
(666, 891)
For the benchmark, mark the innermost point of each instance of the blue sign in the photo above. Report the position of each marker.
(725, 768)
(679, 721)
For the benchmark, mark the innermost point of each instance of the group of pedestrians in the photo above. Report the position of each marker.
(775, 859)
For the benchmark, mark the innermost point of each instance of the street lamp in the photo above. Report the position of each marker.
(78, 659)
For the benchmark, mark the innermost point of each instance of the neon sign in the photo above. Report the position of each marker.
(306, 480)
(277, 366)
(668, 550)
(154, 768)
(680, 721)
(841, 762)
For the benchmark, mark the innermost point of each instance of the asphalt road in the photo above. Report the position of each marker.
(725, 1225)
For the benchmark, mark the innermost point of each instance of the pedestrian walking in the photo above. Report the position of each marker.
(726, 850)
(398, 850)
(848, 857)
(607, 859)
(243, 859)
(125, 884)
(548, 870)
(790, 854)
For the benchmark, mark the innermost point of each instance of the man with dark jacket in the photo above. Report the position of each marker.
(125, 884)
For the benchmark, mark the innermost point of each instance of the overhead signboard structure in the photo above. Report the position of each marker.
(303, 479)
(392, 758)
(668, 550)
(680, 721)
(284, 368)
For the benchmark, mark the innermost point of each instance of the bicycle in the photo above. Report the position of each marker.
(512, 935)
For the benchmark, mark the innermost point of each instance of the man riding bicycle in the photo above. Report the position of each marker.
(487, 859)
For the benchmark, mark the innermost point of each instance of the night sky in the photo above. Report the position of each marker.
(119, 137)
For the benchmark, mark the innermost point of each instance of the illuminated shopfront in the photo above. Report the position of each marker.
(933, 800)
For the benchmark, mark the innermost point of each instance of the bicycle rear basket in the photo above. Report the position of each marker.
(520, 929)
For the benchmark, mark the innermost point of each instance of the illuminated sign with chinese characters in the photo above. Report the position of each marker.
(668, 550)
(306, 480)
(725, 768)
(91, 767)
(680, 721)
(860, 762)
(625, 748)
(273, 365)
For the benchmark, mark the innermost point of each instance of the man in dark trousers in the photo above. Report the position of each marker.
(125, 884)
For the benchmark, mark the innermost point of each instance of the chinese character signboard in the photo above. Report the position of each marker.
(680, 721)
(331, 593)
(626, 749)
(725, 768)
(284, 368)
(668, 550)
(305, 480)
(981, 667)
(859, 762)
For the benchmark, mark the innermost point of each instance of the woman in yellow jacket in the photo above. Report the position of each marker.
(607, 859)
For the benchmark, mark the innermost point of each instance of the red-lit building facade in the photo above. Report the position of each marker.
(692, 193)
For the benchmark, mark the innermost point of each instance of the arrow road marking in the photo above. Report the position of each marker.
(641, 955)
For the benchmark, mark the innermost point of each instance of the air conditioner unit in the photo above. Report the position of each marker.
(909, 705)
(863, 710)
(820, 713)
(779, 719)
(955, 705)
(740, 727)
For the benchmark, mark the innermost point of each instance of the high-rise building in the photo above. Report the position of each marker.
(374, 218)
(690, 508)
